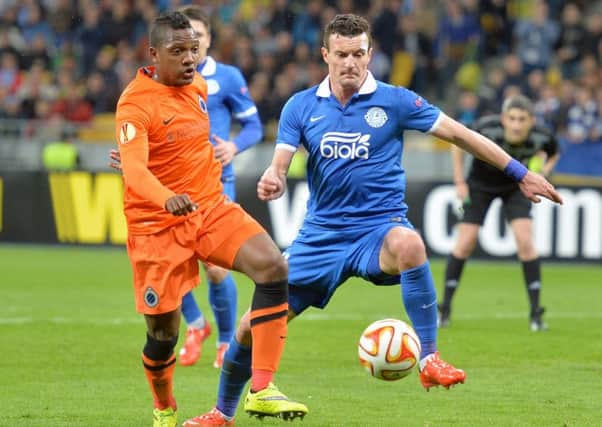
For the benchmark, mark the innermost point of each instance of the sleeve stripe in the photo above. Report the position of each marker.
(246, 113)
(436, 123)
(285, 146)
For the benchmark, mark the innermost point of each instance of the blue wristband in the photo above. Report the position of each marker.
(516, 170)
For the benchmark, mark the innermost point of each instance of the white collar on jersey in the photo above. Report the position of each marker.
(369, 86)
(209, 67)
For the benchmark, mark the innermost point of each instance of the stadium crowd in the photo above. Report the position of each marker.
(66, 61)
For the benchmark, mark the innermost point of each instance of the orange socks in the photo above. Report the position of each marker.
(159, 374)
(269, 311)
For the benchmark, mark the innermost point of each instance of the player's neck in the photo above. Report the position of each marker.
(344, 94)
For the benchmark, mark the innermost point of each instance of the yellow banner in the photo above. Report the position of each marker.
(88, 208)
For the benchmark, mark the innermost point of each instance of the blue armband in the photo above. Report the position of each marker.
(516, 170)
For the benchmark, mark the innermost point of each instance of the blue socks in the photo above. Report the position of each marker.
(420, 301)
(234, 374)
(222, 297)
(191, 310)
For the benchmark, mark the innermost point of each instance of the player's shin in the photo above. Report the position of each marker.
(235, 373)
(453, 272)
(159, 362)
(191, 312)
(420, 301)
(532, 275)
(269, 310)
(222, 297)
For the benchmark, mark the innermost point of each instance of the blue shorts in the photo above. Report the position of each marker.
(321, 259)
(229, 188)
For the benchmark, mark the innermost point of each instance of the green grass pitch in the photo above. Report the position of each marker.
(71, 344)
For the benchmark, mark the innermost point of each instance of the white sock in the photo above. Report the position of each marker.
(424, 360)
(227, 418)
(199, 323)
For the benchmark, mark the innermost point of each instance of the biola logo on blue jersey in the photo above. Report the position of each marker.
(343, 145)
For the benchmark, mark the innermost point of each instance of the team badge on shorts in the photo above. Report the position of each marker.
(202, 104)
(150, 297)
(376, 117)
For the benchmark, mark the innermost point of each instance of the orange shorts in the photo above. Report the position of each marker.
(165, 264)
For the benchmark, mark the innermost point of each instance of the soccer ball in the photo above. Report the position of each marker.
(389, 349)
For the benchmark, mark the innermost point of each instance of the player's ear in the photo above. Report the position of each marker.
(324, 52)
(153, 54)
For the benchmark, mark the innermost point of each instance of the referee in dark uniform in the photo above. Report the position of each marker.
(515, 131)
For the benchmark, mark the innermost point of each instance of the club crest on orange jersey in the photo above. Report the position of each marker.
(203, 104)
(127, 132)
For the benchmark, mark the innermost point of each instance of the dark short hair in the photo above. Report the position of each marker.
(520, 102)
(347, 25)
(195, 13)
(167, 21)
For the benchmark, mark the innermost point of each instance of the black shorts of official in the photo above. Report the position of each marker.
(515, 205)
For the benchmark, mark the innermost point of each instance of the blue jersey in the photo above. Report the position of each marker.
(228, 96)
(354, 151)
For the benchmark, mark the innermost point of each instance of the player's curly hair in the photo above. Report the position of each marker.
(171, 20)
(347, 25)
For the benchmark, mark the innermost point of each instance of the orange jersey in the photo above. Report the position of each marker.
(163, 135)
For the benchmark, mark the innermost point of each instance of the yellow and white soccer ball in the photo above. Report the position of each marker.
(389, 349)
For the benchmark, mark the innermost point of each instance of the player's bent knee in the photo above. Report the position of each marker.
(156, 349)
(409, 250)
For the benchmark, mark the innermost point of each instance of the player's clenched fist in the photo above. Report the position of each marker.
(271, 185)
(180, 204)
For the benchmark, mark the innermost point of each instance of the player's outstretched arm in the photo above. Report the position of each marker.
(532, 185)
(272, 183)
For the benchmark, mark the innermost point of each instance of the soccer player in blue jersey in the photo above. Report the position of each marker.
(228, 97)
(356, 225)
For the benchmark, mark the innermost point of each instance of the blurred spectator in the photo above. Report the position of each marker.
(38, 52)
(583, 117)
(571, 43)
(10, 75)
(72, 106)
(496, 27)
(513, 70)
(535, 38)
(117, 23)
(11, 40)
(89, 38)
(490, 93)
(468, 108)
(457, 42)
(547, 109)
(419, 46)
(380, 65)
(282, 17)
(37, 84)
(384, 26)
(61, 15)
(593, 35)
(32, 23)
(535, 83)
(101, 98)
(307, 27)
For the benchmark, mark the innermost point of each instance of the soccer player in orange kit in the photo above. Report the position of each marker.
(177, 215)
